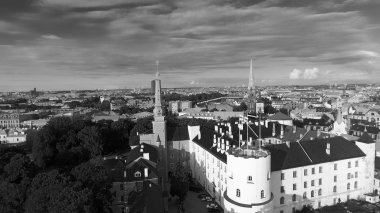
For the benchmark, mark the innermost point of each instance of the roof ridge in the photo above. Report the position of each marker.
(303, 148)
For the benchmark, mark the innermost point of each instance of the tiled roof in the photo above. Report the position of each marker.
(365, 138)
(316, 122)
(361, 128)
(139, 166)
(279, 117)
(177, 134)
(136, 153)
(362, 122)
(312, 152)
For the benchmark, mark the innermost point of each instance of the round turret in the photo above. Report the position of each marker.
(248, 183)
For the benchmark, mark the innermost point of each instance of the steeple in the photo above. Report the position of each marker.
(251, 94)
(157, 105)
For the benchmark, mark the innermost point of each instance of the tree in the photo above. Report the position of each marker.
(179, 182)
(306, 209)
(91, 140)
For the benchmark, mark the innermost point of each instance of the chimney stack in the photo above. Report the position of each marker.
(274, 130)
(282, 131)
(218, 148)
(318, 133)
(229, 128)
(266, 124)
(227, 145)
(294, 129)
(214, 143)
(216, 128)
(328, 148)
(287, 144)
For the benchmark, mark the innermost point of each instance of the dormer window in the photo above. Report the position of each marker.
(137, 174)
(249, 178)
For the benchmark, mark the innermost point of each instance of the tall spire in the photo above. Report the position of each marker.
(157, 105)
(250, 83)
(251, 94)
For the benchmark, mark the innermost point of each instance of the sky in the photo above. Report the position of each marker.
(110, 44)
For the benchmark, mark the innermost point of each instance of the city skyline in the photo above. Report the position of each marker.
(55, 45)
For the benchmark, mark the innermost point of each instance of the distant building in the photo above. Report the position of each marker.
(9, 121)
(178, 106)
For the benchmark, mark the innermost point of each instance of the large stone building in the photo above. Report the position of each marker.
(8, 121)
(297, 166)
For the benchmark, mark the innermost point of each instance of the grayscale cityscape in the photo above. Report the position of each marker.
(189, 106)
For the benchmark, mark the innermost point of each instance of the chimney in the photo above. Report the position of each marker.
(282, 131)
(287, 144)
(214, 143)
(250, 141)
(318, 133)
(227, 145)
(294, 129)
(216, 128)
(218, 148)
(328, 148)
(301, 136)
(311, 138)
(221, 131)
(145, 172)
(274, 130)
(223, 148)
(146, 156)
(266, 124)
(137, 133)
(308, 128)
(125, 174)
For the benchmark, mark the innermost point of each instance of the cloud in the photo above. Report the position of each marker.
(50, 36)
(308, 73)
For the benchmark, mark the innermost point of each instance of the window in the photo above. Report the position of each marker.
(282, 200)
(320, 181)
(294, 186)
(320, 192)
(294, 197)
(305, 184)
(335, 166)
(121, 186)
(282, 189)
(349, 164)
(334, 189)
(294, 174)
(348, 186)
(237, 192)
(320, 169)
(356, 184)
(293, 210)
(335, 178)
(312, 193)
(313, 171)
(304, 195)
(356, 174)
(249, 178)
(138, 174)
(348, 175)
(282, 176)
(262, 194)
(122, 198)
(305, 172)
(312, 183)
(356, 163)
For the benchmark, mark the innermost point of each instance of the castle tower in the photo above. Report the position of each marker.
(247, 189)
(159, 137)
(251, 93)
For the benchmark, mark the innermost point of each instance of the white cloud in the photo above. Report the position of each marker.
(308, 73)
(50, 36)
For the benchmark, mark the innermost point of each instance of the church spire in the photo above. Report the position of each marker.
(157, 105)
(251, 94)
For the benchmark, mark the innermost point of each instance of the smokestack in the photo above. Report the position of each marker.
(274, 130)
(328, 148)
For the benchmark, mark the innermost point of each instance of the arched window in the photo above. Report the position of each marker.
(348, 186)
(282, 200)
(334, 189)
(294, 197)
(262, 194)
(356, 184)
(320, 192)
(304, 195)
(237, 192)
(312, 193)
